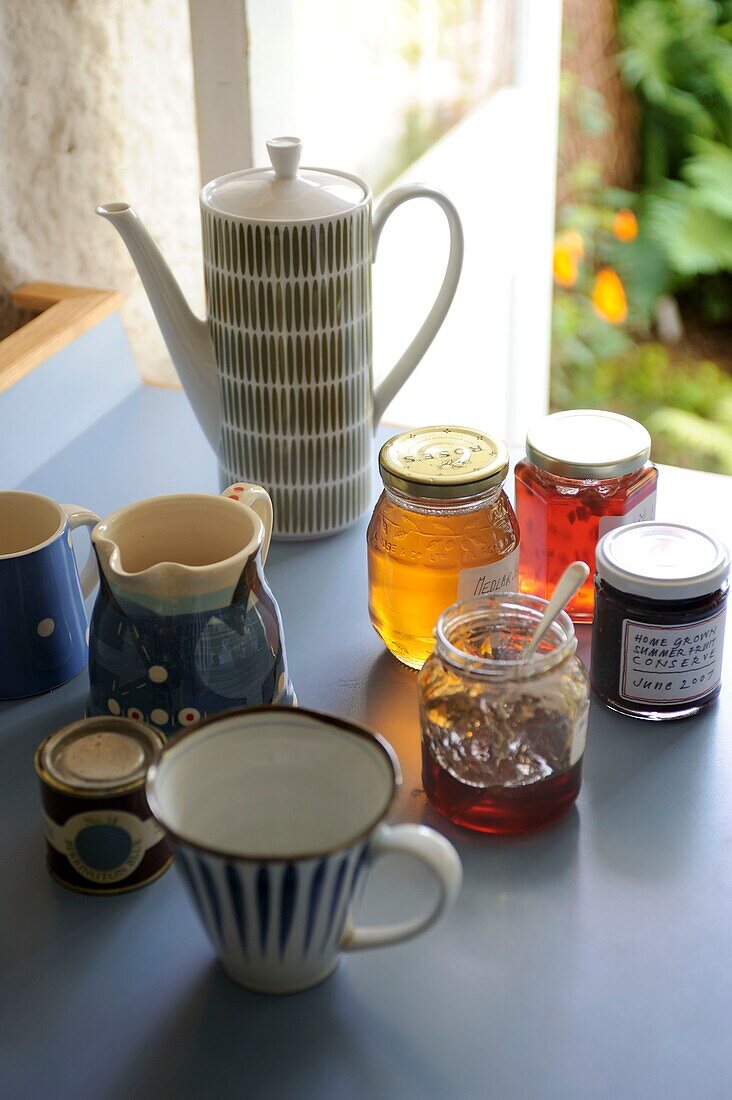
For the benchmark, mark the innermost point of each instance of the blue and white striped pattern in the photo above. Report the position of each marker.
(276, 926)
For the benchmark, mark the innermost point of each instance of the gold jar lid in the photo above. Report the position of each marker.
(588, 445)
(98, 755)
(443, 462)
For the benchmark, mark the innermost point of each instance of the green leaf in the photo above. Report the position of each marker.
(710, 172)
(723, 412)
(647, 35)
(592, 115)
(695, 239)
(644, 271)
(690, 440)
(618, 197)
(689, 111)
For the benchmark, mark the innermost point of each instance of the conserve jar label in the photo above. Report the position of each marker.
(671, 665)
(485, 580)
(640, 514)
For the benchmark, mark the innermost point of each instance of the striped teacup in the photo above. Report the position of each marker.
(275, 815)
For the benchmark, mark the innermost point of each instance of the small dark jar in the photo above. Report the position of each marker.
(660, 607)
(101, 837)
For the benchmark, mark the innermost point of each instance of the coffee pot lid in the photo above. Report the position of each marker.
(285, 192)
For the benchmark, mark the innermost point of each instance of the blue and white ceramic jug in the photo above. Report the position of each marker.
(185, 624)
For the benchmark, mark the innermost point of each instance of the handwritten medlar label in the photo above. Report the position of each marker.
(671, 665)
(644, 511)
(486, 580)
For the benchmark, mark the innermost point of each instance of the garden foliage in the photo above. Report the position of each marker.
(618, 253)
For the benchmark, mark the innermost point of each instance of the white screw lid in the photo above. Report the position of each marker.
(588, 444)
(662, 561)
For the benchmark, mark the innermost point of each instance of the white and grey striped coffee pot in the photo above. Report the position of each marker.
(280, 374)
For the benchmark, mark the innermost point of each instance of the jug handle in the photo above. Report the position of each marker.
(82, 517)
(258, 499)
(398, 375)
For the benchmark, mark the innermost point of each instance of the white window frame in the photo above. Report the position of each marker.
(221, 31)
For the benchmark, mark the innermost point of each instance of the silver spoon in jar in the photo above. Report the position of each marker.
(570, 582)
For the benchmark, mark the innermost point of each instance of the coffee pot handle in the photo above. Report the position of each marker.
(397, 376)
(258, 499)
(430, 848)
(82, 517)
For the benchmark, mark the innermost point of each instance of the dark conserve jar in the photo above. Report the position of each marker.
(660, 605)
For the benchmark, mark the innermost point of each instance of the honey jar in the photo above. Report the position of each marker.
(443, 530)
(585, 473)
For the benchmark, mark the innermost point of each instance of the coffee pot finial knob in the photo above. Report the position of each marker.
(285, 152)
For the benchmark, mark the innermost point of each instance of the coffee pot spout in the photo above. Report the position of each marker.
(186, 336)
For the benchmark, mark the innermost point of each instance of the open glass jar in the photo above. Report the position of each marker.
(585, 473)
(442, 530)
(502, 737)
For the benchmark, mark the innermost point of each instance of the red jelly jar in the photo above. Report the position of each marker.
(659, 620)
(585, 473)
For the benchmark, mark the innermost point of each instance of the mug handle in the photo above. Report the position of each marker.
(441, 858)
(258, 499)
(397, 376)
(82, 517)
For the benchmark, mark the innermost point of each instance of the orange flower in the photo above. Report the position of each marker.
(565, 266)
(625, 225)
(569, 249)
(572, 240)
(608, 296)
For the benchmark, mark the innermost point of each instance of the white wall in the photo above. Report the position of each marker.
(96, 105)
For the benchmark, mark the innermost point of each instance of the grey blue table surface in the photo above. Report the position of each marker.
(591, 960)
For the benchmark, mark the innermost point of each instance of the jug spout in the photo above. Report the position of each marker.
(185, 553)
(186, 336)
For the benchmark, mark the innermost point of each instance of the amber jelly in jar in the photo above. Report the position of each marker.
(585, 473)
(502, 737)
(442, 530)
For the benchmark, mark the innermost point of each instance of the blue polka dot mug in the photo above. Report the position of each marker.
(43, 625)
(185, 624)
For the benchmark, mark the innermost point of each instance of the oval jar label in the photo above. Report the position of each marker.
(671, 664)
(486, 580)
(104, 846)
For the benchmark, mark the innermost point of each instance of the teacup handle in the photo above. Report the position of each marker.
(82, 517)
(258, 499)
(441, 858)
(397, 376)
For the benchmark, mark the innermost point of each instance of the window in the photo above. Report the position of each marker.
(459, 94)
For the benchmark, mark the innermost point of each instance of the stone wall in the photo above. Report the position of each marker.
(96, 105)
